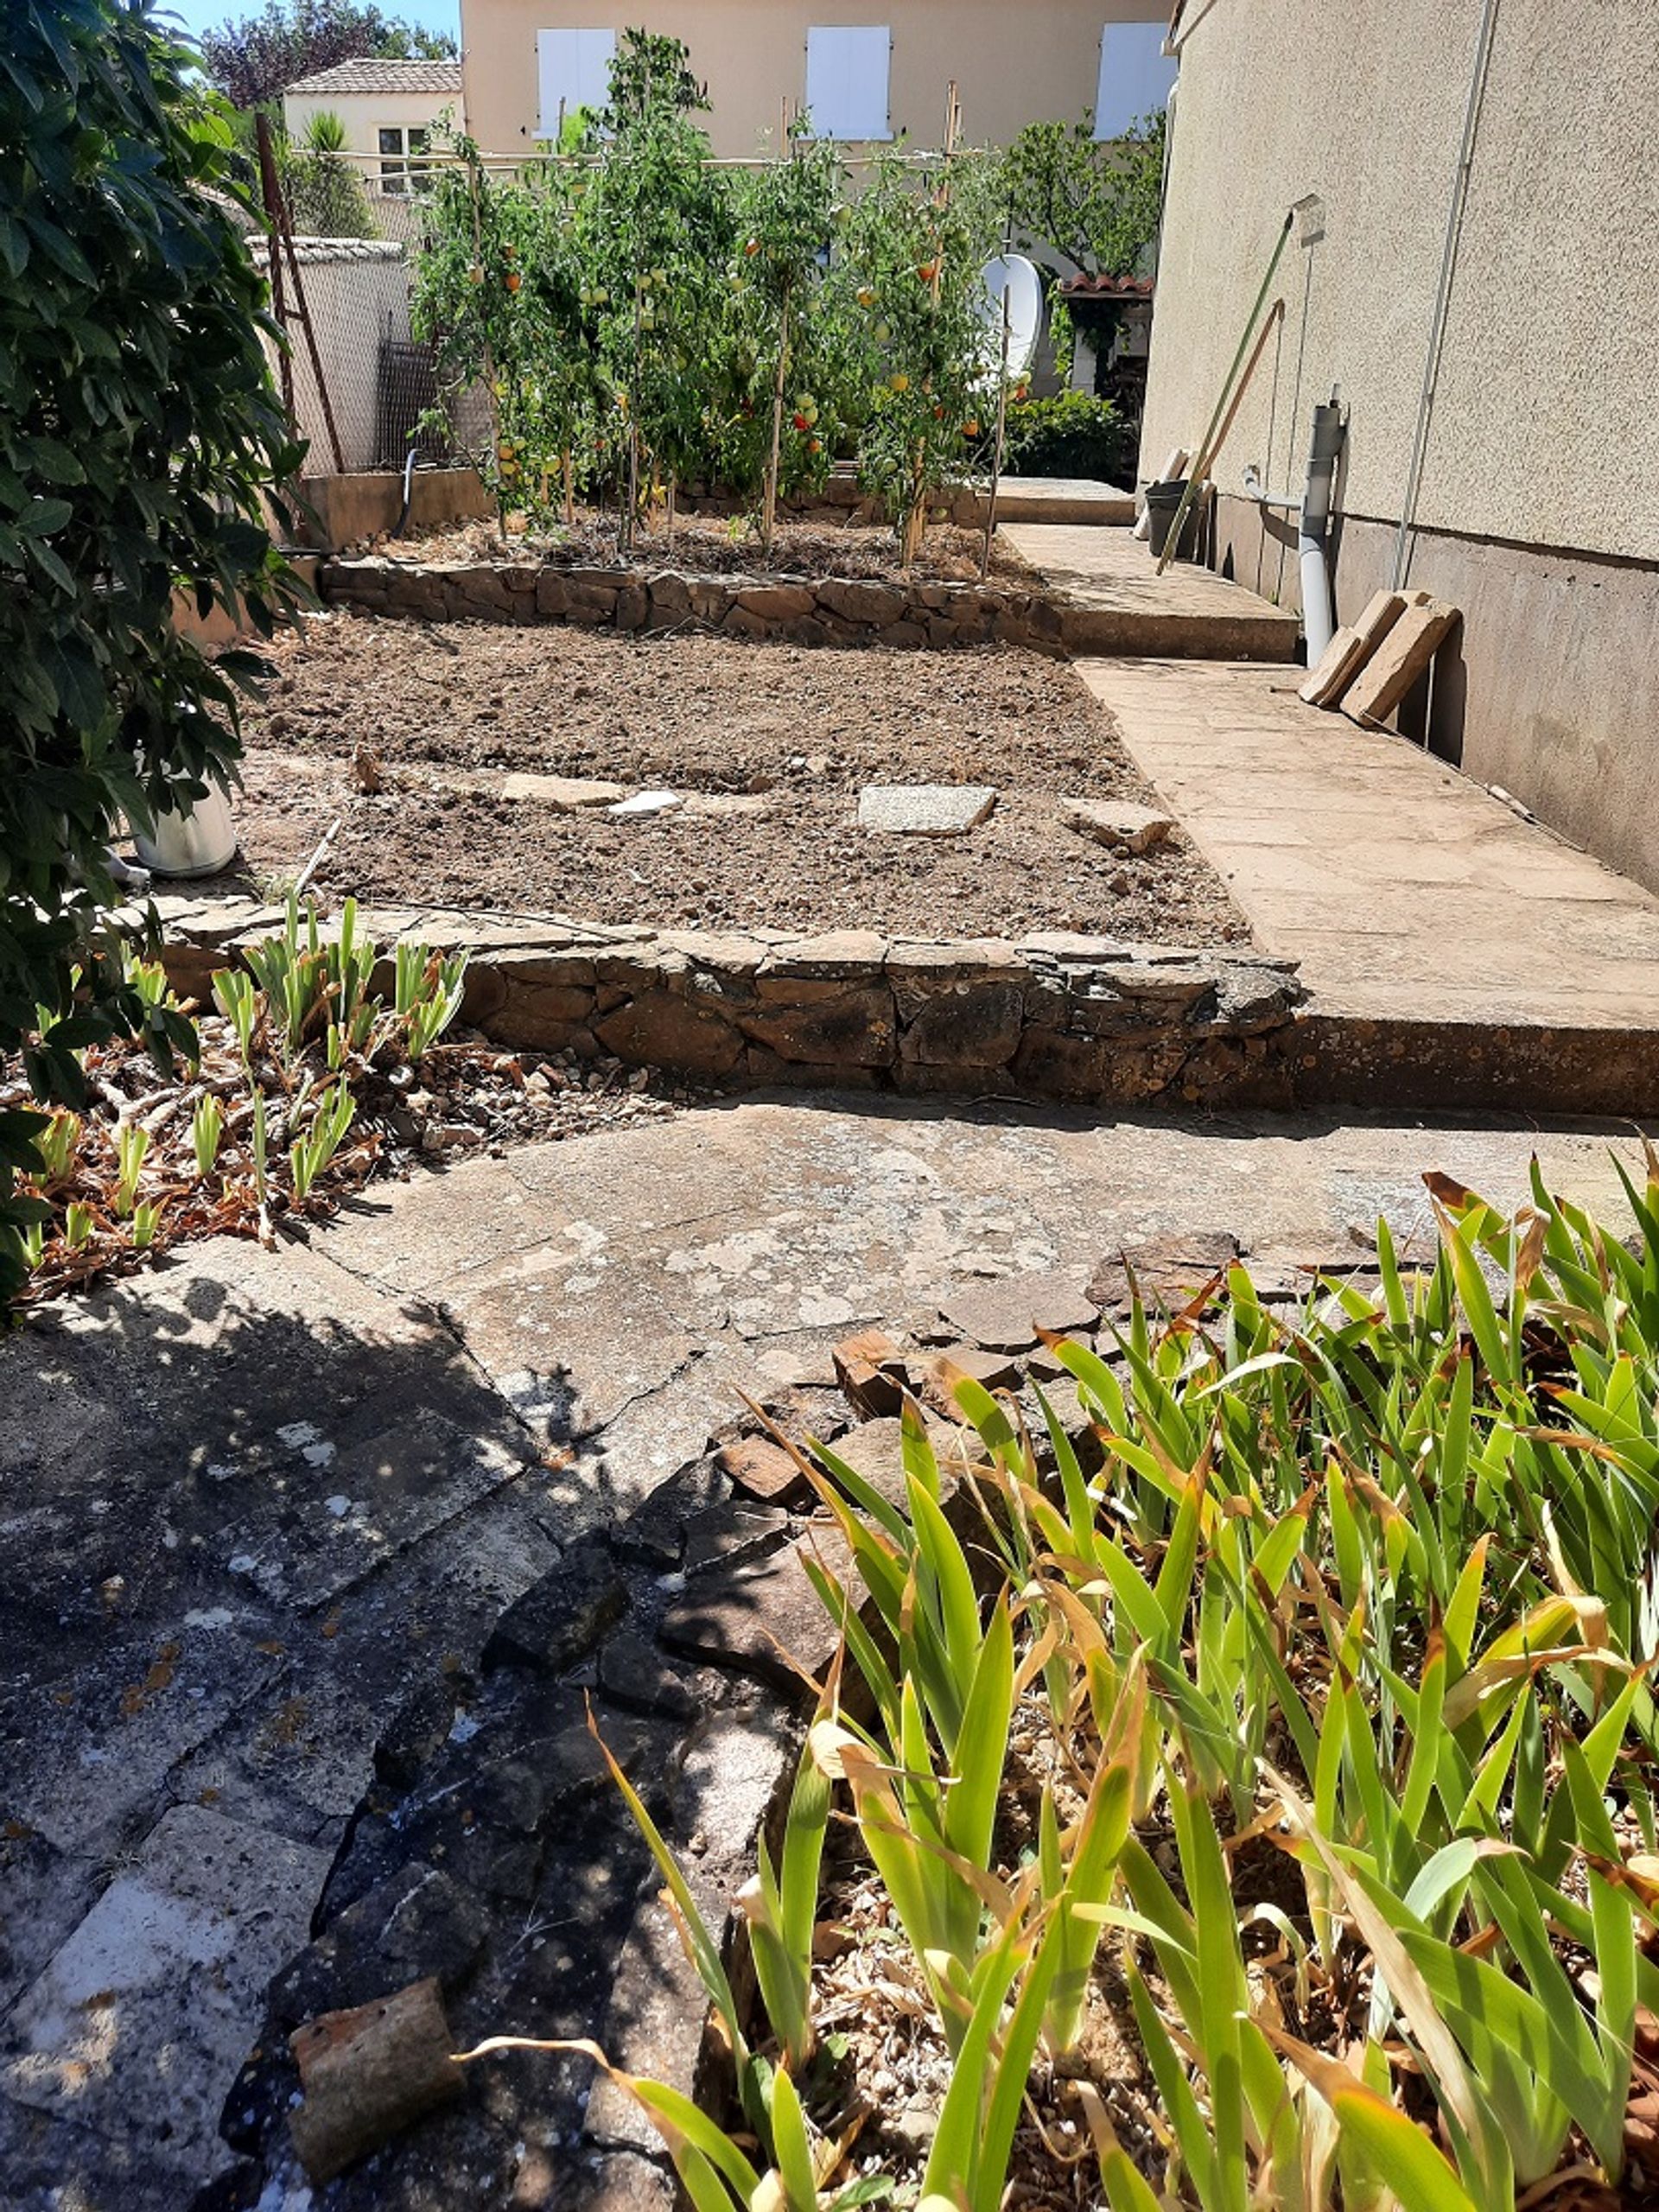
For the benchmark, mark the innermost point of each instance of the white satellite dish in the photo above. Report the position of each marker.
(1010, 276)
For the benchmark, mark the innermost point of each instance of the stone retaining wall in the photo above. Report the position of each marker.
(1053, 1016)
(807, 610)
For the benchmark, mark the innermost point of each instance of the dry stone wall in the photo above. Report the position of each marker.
(1053, 1016)
(806, 610)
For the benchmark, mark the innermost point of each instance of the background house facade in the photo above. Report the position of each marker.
(870, 69)
(387, 109)
(1497, 156)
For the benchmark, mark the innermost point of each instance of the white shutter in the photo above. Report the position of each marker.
(1136, 76)
(847, 71)
(573, 68)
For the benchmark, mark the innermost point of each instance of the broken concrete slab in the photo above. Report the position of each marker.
(925, 810)
(567, 793)
(1011, 1312)
(1118, 823)
(140, 2020)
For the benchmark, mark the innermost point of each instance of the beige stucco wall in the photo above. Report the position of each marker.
(362, 114)
(1014, 64)
(1543, 430)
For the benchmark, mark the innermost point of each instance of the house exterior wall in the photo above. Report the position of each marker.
(363, 114)
(1531, 513)
(1013, 65)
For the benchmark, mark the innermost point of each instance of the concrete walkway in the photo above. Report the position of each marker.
(292, 1548)
(1112, 599)
(1414, 901)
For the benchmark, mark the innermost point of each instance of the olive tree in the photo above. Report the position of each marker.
(138, 434)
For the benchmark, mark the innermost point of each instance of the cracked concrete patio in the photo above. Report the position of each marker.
(257, 1502)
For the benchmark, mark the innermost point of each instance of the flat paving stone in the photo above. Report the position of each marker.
(1322, 831)
(140, 2020)
(567, 793)
(1112, 599)
(925, 810)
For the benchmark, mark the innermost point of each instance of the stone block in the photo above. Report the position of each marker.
(739, 1618)
(925, 810)
(568, 794)
(827, 1025)
(1008, 1314)
(560, 1619)
(776, 603)
(966, 1025)
(837, 953)
(870, 605)
(552, 595)
(671, 595)
(632, 605)
(662, 1028)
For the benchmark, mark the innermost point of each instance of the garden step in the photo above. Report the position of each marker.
(1112, 600)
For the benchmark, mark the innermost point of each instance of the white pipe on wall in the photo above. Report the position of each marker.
(1317, 616)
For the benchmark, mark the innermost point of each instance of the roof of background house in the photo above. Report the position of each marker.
(1107, 288)
(369, 75)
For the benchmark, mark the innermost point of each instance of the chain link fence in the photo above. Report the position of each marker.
(361, 385)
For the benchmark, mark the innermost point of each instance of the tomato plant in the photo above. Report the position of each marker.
(643, 317)
(915, 248)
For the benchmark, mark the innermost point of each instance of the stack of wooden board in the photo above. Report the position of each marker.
(1370, 665)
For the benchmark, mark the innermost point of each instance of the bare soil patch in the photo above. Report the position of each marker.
(436, 717)
(720, 545)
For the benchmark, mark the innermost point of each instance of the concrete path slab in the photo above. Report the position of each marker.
(1414, 901)
(1112, 599)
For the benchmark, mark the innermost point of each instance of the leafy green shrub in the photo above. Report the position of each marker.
(1071, 434)
(138, 432)
(1310, 1736)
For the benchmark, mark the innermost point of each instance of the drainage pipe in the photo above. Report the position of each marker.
(1317, 621)
(409, 480)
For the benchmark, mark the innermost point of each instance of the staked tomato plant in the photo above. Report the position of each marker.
(915, 249)
(642, 317)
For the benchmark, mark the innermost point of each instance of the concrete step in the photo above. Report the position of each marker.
(1077, 500)
(1113, 601)
(1455, 955)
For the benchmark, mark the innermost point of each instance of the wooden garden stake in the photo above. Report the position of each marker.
(769, 500)
(916, 520)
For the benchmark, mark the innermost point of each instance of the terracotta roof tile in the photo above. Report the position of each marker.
(369, 75)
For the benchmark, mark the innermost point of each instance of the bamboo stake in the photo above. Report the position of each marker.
(1002, 435)
(916, 519)
(769, 495)
(489, 350)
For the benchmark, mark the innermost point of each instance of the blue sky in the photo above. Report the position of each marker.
(199, 15)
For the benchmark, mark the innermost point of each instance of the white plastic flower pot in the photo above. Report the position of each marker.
(198, 843)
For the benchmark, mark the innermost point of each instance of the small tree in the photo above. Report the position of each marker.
(138, 434)
(786, 213)
(654, 229)
(498, 292)
(253, 58)
(1097, 202)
